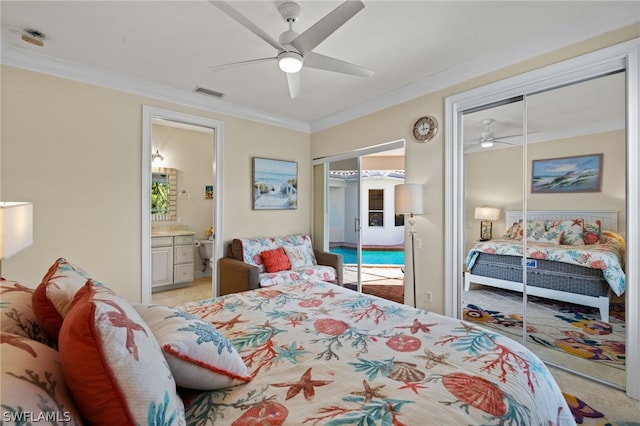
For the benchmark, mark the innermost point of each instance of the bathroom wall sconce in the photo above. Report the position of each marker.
(156, 157)
(486, 215)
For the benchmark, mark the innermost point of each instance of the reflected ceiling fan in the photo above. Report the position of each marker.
(488, 139)
(293, 50)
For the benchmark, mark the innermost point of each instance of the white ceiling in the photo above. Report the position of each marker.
(588, 107)
(414, 47)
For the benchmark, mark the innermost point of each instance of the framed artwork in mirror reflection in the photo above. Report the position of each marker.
(580, 173)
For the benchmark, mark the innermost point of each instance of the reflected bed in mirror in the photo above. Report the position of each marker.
(164, 184)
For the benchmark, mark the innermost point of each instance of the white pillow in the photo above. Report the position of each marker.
(300, 256)
(198, 355)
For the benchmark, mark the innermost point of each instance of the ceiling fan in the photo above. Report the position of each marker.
(293, 50)
(488, 139)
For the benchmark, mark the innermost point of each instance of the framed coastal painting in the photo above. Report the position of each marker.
(275, 184)
(580, 173)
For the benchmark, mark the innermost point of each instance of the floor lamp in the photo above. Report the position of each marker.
(409, 200)
(16, 229)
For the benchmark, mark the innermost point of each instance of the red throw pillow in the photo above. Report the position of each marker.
(275, 260)
(113, 364)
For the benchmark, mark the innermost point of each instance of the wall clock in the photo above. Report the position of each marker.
(425, 128)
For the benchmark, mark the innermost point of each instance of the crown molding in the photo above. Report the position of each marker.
(579, 30)
(19, 58)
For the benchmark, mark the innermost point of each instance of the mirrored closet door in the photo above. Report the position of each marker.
(544, 176)
(493, 182)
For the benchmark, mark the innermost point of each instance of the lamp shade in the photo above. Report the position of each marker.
(409, 199)
(487, 213)
(16, 228)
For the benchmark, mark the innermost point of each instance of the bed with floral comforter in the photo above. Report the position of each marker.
(608, 256)
(322, 354)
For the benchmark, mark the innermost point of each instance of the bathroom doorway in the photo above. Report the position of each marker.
(180, 248)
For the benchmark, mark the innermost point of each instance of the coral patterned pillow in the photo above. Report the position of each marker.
(275, 260)
(113, 364)
(592, 232)
(52, 298)
(573, 231)
(300, 256)
(198, 355)
(32, 384)
(17, 312)
(535, 228)
(610, 237)
(513, 232)
(549, 237)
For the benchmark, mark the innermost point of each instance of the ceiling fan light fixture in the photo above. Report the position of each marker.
(290, 62)
(486, 144)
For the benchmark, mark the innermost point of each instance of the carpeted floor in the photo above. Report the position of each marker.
(558, 332)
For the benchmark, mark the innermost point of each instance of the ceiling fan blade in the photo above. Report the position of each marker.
(241, 63)
(322, 29)
(327, 63)
(234, 14)
(293, 79)
(507, 136)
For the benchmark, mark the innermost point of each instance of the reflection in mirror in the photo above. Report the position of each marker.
(164, 188)
(580, 323)
(493, 182)
(574, 314)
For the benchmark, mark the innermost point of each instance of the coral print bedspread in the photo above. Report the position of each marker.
(608, 257)
(319, 354)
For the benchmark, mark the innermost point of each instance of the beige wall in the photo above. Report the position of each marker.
(74, 150)
(501, 186)
(425, 162)
(382, 162)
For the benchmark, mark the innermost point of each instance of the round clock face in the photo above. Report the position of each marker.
(425, 128)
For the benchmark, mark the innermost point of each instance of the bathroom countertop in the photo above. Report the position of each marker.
(171, 233)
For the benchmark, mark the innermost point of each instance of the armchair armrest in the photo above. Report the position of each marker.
(331, 259)
(237, 276)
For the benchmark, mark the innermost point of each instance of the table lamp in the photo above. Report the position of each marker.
(486, 215)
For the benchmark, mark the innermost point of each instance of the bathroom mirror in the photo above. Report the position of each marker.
(163, 193)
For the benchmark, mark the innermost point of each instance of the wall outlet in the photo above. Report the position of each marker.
(429, 296)
(418, 243)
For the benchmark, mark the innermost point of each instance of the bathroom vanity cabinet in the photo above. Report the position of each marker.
(172, 261)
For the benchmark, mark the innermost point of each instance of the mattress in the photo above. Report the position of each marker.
(606, 258)
(546, 274)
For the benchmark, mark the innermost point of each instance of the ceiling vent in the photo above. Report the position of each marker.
(208, 92)
(34, 37)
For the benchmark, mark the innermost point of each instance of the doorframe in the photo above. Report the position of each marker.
(148, 114)
(624, 55)
(325, 161)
